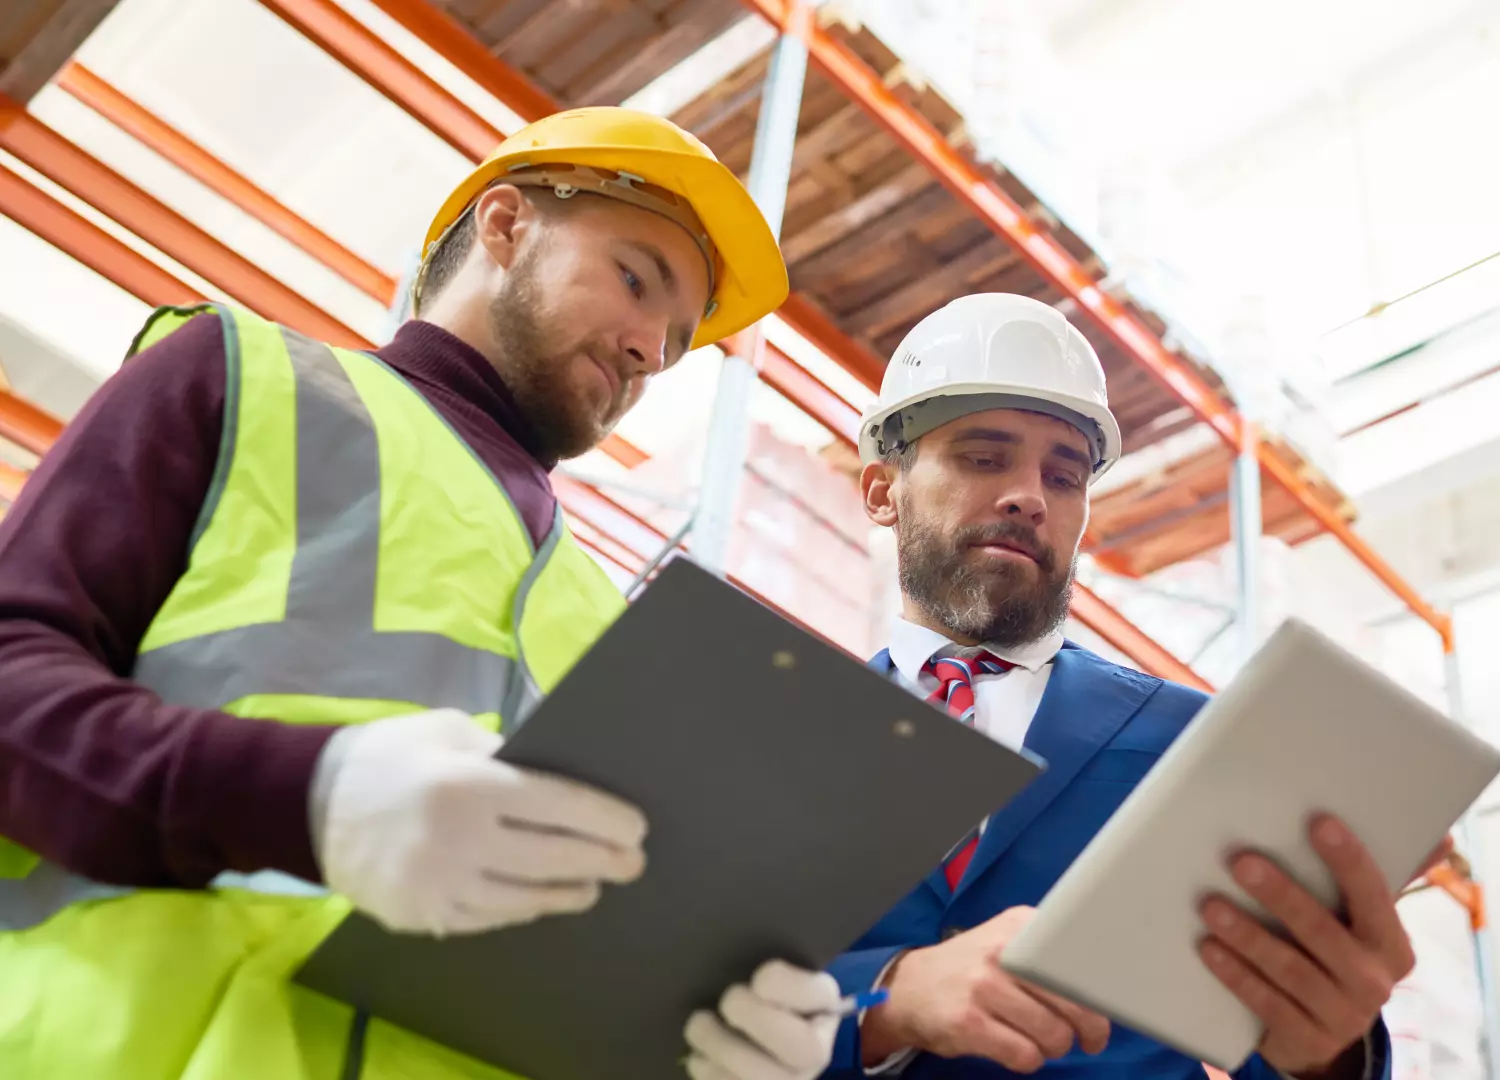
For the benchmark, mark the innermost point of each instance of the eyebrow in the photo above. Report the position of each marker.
(1062, 450)
(664, 268)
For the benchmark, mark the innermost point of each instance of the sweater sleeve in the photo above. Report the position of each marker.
(97, 774)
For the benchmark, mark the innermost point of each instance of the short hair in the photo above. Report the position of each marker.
(448, 254)
(453, 247)
(902, 457)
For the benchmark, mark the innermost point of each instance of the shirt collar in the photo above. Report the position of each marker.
(912, 646)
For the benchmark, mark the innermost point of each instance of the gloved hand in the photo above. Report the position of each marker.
(780, 1027)
(422, 828)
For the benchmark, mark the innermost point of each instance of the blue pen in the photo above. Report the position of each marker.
(859, 1002)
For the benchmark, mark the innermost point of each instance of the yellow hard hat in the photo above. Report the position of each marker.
(647, 161)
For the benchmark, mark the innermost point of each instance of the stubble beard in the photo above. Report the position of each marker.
(563, 424)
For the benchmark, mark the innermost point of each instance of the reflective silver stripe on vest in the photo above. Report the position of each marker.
(327, 645)
(41, 894)
(525, 695)
(269, 882)
(35, 898)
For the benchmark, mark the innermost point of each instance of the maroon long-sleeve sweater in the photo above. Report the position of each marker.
(96, 773)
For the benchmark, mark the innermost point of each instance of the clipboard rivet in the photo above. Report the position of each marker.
(904, 729)
(783, 659)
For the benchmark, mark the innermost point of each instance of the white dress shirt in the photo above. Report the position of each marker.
(1004, 703)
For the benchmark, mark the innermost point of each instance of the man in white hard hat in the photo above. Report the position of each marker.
(991, 424)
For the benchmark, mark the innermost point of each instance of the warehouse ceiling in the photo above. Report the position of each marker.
(38, 36)
(1318, 173)
(1309, 177)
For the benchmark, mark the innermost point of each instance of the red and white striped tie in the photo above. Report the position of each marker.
(955, 676)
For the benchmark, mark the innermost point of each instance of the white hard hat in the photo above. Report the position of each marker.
(991, 351)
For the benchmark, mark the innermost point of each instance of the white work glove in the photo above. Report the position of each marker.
(780, 1027)
(422, 828)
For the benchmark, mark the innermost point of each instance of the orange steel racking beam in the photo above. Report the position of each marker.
(1035, 242)
(11, 479)
(26, 425)
(159, 136)
(623, 450)
(1467, 892)
(365, 53)
(1089, 609)
(443, 34)
(73, 234)
(625, 527)
(451, 40)
(601, 545)
(803, 316)
(809, 393)
(88, 178)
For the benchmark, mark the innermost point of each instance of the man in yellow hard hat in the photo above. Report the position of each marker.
(267, 604)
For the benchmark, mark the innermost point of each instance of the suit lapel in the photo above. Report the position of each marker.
(1086, 702)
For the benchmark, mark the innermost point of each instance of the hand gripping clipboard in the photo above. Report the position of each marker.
(794, 797)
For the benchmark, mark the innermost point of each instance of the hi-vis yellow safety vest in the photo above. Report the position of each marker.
(354, 559)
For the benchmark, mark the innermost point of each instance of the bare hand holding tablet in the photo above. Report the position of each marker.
(1161, 922)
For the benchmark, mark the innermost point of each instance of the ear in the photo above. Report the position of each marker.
(877, 484)
(502, 217)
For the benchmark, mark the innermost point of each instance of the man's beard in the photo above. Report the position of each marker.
(563, 424)
(1004, 604)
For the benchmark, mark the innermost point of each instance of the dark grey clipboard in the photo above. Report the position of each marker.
(794, 797)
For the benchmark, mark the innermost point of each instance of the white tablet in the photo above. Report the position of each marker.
(1304, 728)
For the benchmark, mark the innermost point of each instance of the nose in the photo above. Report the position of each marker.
(645, 342)
(1023, 499)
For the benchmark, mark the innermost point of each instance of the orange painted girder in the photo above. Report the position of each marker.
(440, 32)
(70, 232)
(358, 48)
(26, 425)
(802, 316)
(1468, 893)
(1089, 609)
(11, 479)
(810, 394)
(156, 134)
(88, 178)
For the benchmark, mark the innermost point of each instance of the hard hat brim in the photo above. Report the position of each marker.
(753, 280)
(872, 422)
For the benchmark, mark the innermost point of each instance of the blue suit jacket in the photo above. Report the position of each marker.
(1099, 727)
